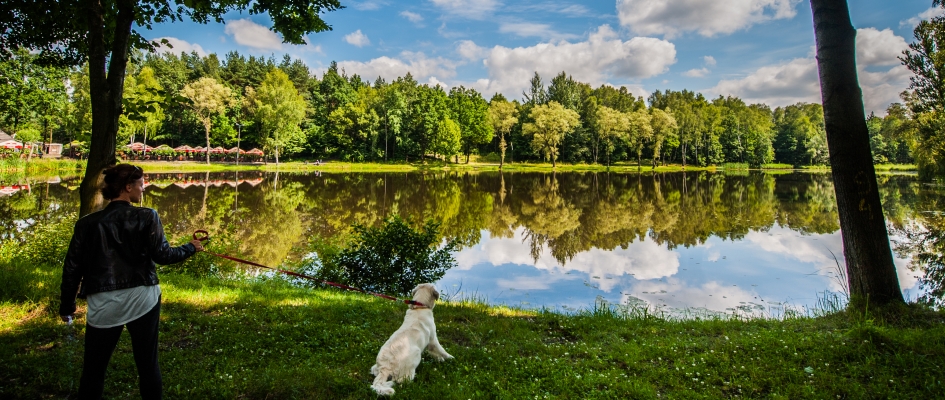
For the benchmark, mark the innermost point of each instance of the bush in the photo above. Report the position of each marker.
(391, 259)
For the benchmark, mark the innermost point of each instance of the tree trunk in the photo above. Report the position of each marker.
(870, 269)
(106, 93)
(207, 131)
(501, 149)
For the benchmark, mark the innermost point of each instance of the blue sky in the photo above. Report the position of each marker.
(759, 50)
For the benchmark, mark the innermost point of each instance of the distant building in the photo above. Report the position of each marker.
(7, 142)
(53, 150)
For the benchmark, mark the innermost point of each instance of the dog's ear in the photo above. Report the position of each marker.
(436, 294)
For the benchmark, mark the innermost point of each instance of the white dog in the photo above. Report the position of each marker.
(399, 357)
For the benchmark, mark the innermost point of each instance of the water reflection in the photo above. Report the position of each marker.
(750, 242)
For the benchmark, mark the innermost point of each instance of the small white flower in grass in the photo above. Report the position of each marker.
(809, 370)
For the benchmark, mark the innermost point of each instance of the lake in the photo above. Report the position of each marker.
(682, 243)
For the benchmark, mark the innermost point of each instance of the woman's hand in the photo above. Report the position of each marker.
(197, 244)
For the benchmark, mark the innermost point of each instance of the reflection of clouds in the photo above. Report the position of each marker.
(542, 282)
(714, 256)
(711, 295)
(813, 249)
(809, 249)
(644, 259)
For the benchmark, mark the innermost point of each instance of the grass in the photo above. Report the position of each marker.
(265, 338)
(15, 164)
(895, 167)
(777, 166)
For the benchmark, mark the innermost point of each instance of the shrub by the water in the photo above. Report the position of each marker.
(391, 258)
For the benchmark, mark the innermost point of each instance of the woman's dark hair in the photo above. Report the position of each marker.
(118, 177)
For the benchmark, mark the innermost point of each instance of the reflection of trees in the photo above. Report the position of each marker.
(546, 215)
(502, 221)
(567, 212)
(807, 204)
(918, 229)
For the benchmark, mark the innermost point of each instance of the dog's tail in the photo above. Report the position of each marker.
(382, 385)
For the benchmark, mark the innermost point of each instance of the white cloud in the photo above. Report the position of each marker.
(709, 60)
(601, 58)
(880, 89)
(419, 65)
(925, 15)
(368, 5)
(357, 38)
(775, 85)
(696, 73)
(708, 17)
(249, 33)
(881, 48)
(798, 81)
(412, 17)
(470, 51)
(531, 29)
(179, 46)
(476, 9)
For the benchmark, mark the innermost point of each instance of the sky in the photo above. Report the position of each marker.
(759, 50)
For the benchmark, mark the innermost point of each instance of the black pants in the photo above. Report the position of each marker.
(101, 342)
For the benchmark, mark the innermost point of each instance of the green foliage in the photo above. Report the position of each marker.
(280, 109)
(551, 123)
(471, 113)
(392, 258)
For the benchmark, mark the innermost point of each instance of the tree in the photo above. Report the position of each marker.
(208, 98)
(390, 108)
(870, 269)
(926, 99)
(536, 94)
(354, 127)
(504, 115)
(551, 123)
(613, 126)
(448, 139)
(71, 32)
(664, 128)
(30, 93)
(148, 91)
(640, 131)
(471, 112)
(280, 108)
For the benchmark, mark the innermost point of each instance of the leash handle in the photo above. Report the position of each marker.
(201, 235)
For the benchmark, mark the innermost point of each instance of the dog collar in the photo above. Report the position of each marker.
(415, 304)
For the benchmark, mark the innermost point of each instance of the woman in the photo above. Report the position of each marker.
(113, 254)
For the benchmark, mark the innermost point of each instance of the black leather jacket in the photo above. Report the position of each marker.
(116, 248)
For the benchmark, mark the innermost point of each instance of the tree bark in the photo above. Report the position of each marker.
(106, 92)
(501, 149)
(870, 269)
(207, 132)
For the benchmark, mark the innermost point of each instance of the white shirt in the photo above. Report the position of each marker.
(119, 307)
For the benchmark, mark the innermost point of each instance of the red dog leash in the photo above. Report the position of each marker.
(206, 236)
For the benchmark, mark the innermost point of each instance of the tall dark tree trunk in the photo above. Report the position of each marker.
(106, 93)
(870, 268)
